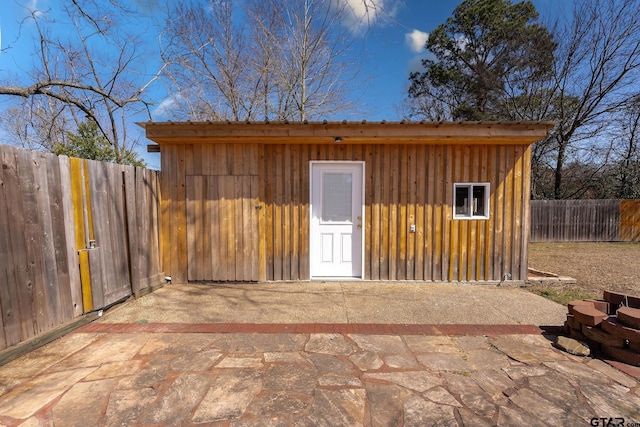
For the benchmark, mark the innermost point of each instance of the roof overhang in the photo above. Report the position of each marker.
(457, 133)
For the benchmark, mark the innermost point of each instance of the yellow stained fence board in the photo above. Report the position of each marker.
(81, 207)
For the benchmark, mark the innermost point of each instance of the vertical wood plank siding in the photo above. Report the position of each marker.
(265, 228)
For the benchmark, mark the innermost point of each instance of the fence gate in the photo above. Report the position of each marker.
(101, 230)
(116, 230)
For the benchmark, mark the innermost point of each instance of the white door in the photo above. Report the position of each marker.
(336, 219)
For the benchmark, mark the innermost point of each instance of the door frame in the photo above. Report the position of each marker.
(362, 165)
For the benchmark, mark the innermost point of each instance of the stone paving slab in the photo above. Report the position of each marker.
(157, 376)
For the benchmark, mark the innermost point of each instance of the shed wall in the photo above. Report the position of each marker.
(404, 185)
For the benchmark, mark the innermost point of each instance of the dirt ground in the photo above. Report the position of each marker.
(595, 266)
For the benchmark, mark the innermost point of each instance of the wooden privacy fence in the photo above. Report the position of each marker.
(75, 236)
(585, 221)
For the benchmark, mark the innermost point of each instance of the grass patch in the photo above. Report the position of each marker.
(562, 294)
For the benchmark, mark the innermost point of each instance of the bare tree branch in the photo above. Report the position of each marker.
(287, 60)
(95, 71)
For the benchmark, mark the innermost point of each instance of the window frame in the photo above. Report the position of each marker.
(471, 186)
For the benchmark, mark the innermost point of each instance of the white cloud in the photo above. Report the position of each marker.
(34, 9)
(416, 40)
(165, 110)
(361, 8)
(462, 42)
(147, 6)
(362, 14)
(415, 64)
(32, 5)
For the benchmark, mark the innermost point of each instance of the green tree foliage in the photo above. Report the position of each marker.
(486, 55)
(90, 143)
(492, 60)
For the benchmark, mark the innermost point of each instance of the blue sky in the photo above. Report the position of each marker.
(396, 47)
(392, 46)
(393, 49)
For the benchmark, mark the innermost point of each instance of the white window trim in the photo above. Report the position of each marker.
(487, 193)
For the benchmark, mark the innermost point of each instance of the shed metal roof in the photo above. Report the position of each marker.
(345, 132)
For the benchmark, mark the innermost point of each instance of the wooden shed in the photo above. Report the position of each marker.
(373, 201)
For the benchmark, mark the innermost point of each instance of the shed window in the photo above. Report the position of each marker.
(471, 200)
